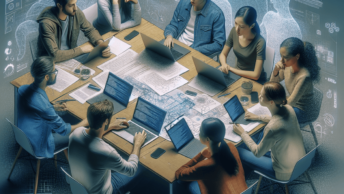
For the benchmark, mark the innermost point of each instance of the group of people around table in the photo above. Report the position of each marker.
(220, 167)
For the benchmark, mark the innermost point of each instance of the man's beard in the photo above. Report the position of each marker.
(50, 81)
(67, 13)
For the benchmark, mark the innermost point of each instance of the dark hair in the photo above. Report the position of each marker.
(41, 67)
(61, 2)
(275, 91)
(308, 58)
(215, 130)
(249, 15)
(98, 112)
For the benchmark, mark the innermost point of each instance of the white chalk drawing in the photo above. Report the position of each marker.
(9, 43)
(329, 119)
(12, 58)
(21, 67)
(278, 26)
(7, 58)
(319, 129)
(331, 80)
(23, 30)
(226, 8)
(329, 94)
(312, 3)
(8, 51)
(9, 70)
(335, 99)
(38, 7)
(332, 27)
(157, 13)
(318, 32)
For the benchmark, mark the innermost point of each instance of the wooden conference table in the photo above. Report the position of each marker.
(166, 165)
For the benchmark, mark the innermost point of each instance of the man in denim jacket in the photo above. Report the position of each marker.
(199, 24)
(37, 117)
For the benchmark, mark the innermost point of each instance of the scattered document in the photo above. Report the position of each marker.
(204, 103)
(166, 68)
(161, 86)
(257, 110)
(134, 69)
(69, 65)
(116, 63)
(230, 134)
(84, 93)
(117, 46)
(63, 80)
(206, 85)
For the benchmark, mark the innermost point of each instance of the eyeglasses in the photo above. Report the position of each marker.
(55, 72)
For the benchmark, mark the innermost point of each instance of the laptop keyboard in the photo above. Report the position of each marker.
(176, 54)
(133, 128)
(192, 148)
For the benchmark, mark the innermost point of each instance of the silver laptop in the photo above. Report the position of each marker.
(157, 47)
(146, 117)
(97, 51)
(211, 80)
(183, 139)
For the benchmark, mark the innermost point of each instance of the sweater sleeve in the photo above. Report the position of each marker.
(264, 146)
(87, 28)
(116, 163)
(279, 77)
(301, 86)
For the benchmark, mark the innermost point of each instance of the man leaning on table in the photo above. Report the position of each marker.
(97, 165)
(59, 28)
(199, 24)
(37, 117)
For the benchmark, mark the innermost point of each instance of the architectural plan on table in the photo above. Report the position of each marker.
(204, 103)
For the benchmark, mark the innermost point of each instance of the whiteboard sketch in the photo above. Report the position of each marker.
(23, 30)
(278, 26)
(226, 8)
(329, 119)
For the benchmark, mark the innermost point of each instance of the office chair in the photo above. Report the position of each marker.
(76, 187)
(25, 143)
(313, 112)
(91, 13)
(250, 189)
(300, 167)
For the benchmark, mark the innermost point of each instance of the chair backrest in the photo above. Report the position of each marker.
(269, 61)
(250, 189)
(91, 13)
(22, 139)
(313, 110)
(303, 164)
(76, 187)
(226, 8)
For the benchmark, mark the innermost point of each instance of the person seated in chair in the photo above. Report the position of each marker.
(117, 15)
(199, 24)
(59, 29)
(37, 117)
(94, 163)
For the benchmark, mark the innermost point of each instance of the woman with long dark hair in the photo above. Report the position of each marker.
(282, 135)
(217, 168)
(248, 46)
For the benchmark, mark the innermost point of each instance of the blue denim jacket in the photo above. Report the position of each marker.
(210, 32)
(37, 118)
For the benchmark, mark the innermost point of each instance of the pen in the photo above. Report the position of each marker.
(224, 95)
(61, 101)
(93, 87)
(120, 118)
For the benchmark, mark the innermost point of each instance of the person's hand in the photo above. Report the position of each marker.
(251, 116)
(59, 107)
(134, 1)
(238, 129)
(119, 124)
(84, 123)
(106, 52)
(139, 138)
(115, 2)
(87, 48)
(279, 65)
(225, 68)
(169, 41)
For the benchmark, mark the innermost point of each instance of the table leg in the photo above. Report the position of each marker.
(171, 188)
(15, 105)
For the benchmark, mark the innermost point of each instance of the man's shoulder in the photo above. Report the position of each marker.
(79, 14)
(214, 9)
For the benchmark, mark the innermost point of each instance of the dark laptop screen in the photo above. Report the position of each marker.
(180, 134)
(149, 114)
(234, 108)
(118, 89)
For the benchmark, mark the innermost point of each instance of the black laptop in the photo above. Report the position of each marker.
(236, 111)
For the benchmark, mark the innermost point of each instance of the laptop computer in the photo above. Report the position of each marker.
(158, 47)
(211, 80)
(235, 111)
(146, 117)
(117, 91)
(183, 139)
(97, 51)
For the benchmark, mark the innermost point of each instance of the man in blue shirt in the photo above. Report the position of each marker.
(199, 24)
(37, 117)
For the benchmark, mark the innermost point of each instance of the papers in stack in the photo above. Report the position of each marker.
(117, 46)
(63, 80)
(84, 93)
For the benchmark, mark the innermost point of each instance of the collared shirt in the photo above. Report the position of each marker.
(187, 36)
(37, 119)
(209, 27)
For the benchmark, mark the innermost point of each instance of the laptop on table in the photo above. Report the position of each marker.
(97, 51)
(177, 51)
(183, 139)
(211, 80)
(146, 117)
(235, 111)
(117, 91)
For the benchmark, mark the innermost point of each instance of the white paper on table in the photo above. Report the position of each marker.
(63, 80)
(161, 86)
(230, 134)
(101, 79)
(134, 69)
(84, 93)
(206, 85)
(204, 103)
(258, 110)
(116, 63)
(166, 68)
(117, 46)
(69, 65)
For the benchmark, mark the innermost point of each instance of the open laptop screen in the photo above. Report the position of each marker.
(149, 114)
(234, 108)
(118, 89)
(180, 134)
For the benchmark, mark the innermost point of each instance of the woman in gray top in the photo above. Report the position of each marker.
(117, 15)
(248, 46)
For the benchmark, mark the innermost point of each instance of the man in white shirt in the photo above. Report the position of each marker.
(91, 159)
